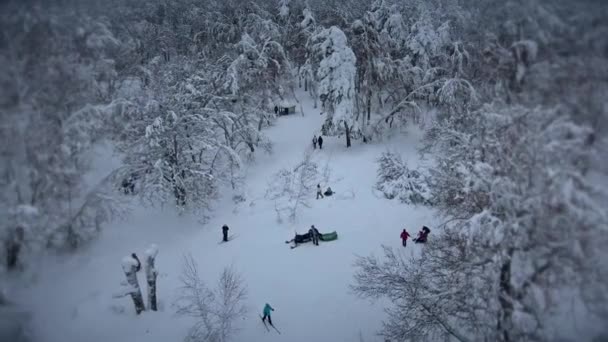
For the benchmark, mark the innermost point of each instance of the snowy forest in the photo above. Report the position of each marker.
(510, 98)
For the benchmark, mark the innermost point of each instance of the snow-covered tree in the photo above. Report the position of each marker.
(336, 77)
(217, 310)
(396, 180)
(293, 188)
(522, 224)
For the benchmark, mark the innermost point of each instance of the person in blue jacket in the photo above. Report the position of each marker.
(267, 310)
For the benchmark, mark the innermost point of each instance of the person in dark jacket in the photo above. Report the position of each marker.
(320, 141)
(319, 191)
(276, 110)
(314, 233)
(328, 192)
(225, 232)
(314, 141)
(404, 236)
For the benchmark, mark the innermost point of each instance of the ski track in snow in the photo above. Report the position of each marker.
(308, 286)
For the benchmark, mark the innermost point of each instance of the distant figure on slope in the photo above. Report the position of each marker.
(404, 236)
(314, 233)
(319, 191)
(320, 140)
(328, 192)
(276, 110)
(225, 232)
(314, 141)
(266, 312)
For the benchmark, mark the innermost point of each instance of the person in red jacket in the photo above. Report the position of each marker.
(404, 236)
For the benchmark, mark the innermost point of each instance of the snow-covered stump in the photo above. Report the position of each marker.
(129, 266)
(151, 274)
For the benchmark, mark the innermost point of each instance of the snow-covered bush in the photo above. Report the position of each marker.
(217, 310)
(396, 180)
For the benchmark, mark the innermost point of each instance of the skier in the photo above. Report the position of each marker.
(319, 191)
(320, 140)
(314, 233)
(314, 141)
(267, 310)
(404, 236)
(134, 256)
(225, 232)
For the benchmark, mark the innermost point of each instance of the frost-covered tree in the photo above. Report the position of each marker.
(396, 180)
(336, 78)
(55, 85)
(293, 188)
(217, 310)
(522, 226)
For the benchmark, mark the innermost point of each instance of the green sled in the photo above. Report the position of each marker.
(329, 236)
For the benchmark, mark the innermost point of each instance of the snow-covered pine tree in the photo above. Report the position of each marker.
(336, 78)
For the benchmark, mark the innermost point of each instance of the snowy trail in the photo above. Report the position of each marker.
(308, 286)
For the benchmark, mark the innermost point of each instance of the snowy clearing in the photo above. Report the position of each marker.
(308, 286)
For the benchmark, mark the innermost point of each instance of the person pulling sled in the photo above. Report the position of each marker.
(314, 234)
(404, 236)
(319, 191)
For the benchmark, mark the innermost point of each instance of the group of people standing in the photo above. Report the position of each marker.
(316, 141)
(423, 235)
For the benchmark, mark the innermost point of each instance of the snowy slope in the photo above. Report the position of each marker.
(308, 286)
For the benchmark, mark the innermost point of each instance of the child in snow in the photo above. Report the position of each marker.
(320, 141)
(267, 310)
(328, 192)
(225, 232)
(404, 236)
(319, 191)
(314, 141)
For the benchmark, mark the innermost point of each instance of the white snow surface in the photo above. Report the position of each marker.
(127, 263)
(71, 297)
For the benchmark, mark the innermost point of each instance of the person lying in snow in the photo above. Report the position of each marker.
(328, 192)
(300, 239)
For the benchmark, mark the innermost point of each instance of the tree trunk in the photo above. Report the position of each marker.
(369, 104)
(135, 292)
(347, 134)
(151, 274)
(505, 314)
